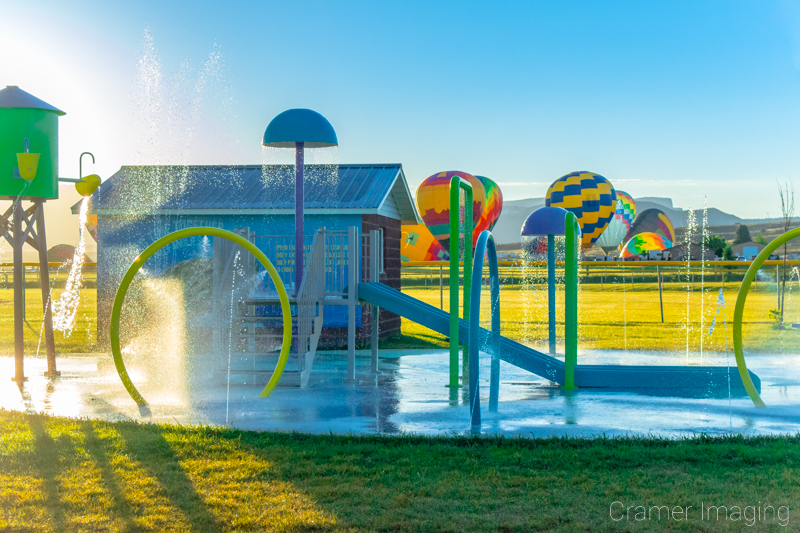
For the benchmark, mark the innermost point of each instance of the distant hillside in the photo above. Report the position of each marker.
(516, 211)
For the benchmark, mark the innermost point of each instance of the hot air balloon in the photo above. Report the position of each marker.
(418, 244)
(433, 203)
(645, 242)
(493, 208)
(628, 208)
(614, 233)
(590, 196)
(653, 221)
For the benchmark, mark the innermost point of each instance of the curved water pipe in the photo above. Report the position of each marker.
(738, 311)
(159, 244)
(456, 184)
(485, 244)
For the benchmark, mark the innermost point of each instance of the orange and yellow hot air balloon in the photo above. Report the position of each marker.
(418, 244)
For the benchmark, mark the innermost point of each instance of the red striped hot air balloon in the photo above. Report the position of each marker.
(493, 208)
(433, 203)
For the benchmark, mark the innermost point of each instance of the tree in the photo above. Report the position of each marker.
(716, 244)
(742, 235)
(786, 193)
(727, 253)
(760, 239)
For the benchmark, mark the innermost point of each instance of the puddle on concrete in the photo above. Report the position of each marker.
(410, 396)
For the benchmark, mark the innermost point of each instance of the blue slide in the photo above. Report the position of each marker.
(711, 380)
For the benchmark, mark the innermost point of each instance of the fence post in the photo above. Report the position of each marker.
(660, 296)
(352, 295)
(441, 289)
(374, 276)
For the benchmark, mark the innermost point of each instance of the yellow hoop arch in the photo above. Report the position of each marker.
(738, 311)
(194, 232)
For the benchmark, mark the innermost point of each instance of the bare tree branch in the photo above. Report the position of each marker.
(786, 193)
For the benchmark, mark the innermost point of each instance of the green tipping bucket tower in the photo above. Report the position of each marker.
(28, 172)
(23, 116)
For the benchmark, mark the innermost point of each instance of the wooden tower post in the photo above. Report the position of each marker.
(18, 231)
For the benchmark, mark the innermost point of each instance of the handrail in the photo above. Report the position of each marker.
(51, 265)
(456, 184)
(481, 248)
(308, 267)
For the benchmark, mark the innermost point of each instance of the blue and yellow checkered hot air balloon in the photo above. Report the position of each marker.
(590, 196)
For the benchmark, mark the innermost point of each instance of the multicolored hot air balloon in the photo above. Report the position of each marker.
(628, 208)
(645, 242)
(433, 203)
(493, 208)
(590, 196)
(615, 232)
(418, 244)
(652, 221)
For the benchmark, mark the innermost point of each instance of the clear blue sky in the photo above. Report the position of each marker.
(664, 98)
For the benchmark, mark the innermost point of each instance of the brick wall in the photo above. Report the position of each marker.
(390, 322)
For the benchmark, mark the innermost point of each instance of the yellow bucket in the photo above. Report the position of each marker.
(28, 164)
(88, 185)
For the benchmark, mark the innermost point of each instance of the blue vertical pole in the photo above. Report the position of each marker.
(551, 291)
(298, 217)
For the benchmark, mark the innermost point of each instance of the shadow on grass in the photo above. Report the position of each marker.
(48, 464)
(155, 455)
(96, 446)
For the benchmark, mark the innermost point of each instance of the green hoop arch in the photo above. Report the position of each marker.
(194, 232)
(739, 311)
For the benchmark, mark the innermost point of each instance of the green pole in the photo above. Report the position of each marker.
(573, 231)
(457, 183)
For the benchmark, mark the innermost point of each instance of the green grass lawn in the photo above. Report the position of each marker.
(64, 475)
(611, 319)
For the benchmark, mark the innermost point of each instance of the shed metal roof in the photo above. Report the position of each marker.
(255, 189)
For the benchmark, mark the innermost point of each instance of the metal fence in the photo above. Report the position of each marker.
(664, 305)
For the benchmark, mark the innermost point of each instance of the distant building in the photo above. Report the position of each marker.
(696, 253)
(138, 205)
(747, 249)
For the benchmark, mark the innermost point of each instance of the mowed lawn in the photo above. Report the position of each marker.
(81, 339)
(610, 318)
(65, 475)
